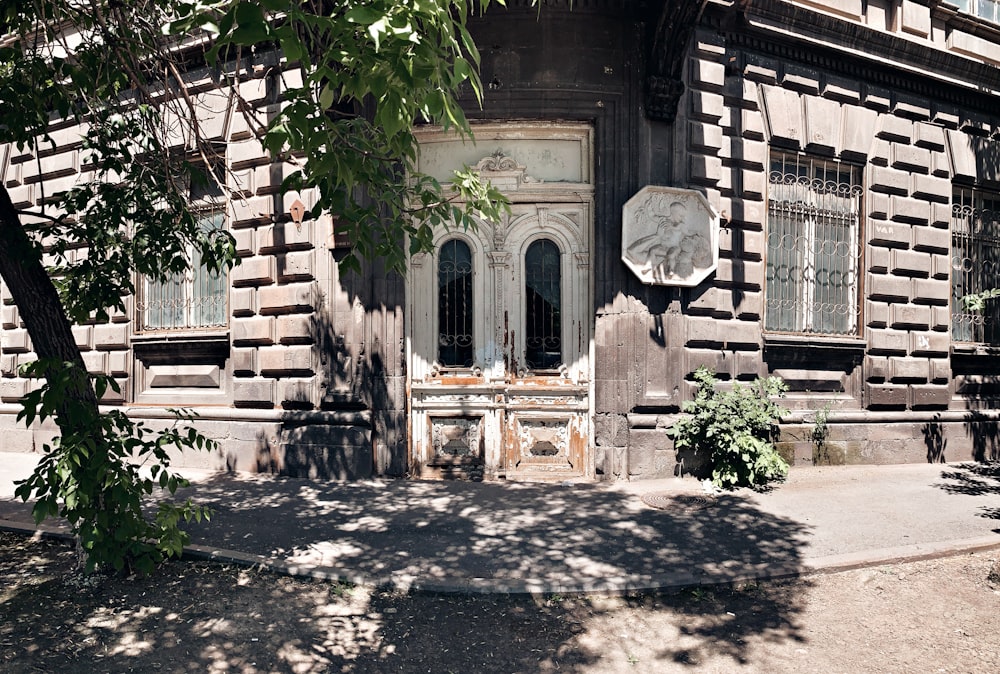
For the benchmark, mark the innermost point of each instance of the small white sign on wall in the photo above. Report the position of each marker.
(670, 236)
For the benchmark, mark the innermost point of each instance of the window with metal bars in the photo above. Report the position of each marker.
(813, 245)
(543, 306)
(195, 299)
(455, 304)
(975, 263)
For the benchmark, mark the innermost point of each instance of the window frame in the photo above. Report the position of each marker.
(815, 211)
(968, 206)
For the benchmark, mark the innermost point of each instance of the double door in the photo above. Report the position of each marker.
(499, 339)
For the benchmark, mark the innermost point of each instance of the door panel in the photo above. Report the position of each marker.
(500, 318)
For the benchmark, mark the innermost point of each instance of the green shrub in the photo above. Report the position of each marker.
(735, 429)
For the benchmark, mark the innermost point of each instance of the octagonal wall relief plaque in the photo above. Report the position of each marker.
(670, 236)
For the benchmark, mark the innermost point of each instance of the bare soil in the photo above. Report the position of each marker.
(940, 615)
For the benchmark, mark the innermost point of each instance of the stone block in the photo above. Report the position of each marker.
(253, 392)
(296, 393)
(891, 234)
(783, 110)
(15, 341)
(876, 368)
(940, 370)
(752, 155)
(931, 291)
(244, 362)
(705, 74)
(244, 242)
(295, 329)
(611, 430)
(83, 335)
(905, 209)
(8, 365)
(973, 46)
(929, 396)
(961, 148)
(941, 266)
(909, 316)
(95, 362)
(752, 124)
(931, 240)
(11, 319)
(911, 108)
(888, 342)
(12, 390)
(888, 288)
(895, 129)
(254, 331)
(909, 369)
(119, 363)
(880, 152)
(704, 170)
(910, 263)
(753, 182)
(823, 123)
(940, 215)
(703, 332)
(877, 314)
(242, 301)
(929, 343)
(940, 165)
(886, 395)
(878, 260)
(286, 361)
(296, 266)
(797, 78)
(840, 89)
(254, 271)
(858, 133)
(111, 337)
(878, 206)
(251, 212)
(890, 181)
(288, 298)
(915, 18)
(909, 158)
(931, 188)
(706, 106)
(928, 136)
(942, 318)
(741, 335)
(946, 117)
(764, 72)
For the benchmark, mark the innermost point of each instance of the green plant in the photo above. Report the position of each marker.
(100, 470)
(735, 428)
(821, 427)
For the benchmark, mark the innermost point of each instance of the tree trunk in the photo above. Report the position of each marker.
(38, 302)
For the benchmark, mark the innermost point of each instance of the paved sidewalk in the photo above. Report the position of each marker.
(499, 537)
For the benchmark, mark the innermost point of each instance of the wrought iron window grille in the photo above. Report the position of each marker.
(813, 246)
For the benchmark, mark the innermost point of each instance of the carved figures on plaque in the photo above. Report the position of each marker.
(670, 236)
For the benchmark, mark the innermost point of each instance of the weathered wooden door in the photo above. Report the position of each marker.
(500, 324)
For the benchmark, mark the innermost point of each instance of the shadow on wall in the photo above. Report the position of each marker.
(985, 435)
(935, 441)
(444, 532)
(335, 439)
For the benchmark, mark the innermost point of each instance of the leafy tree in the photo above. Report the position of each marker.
(370, 71)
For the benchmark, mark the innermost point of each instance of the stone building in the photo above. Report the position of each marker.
(842, 154)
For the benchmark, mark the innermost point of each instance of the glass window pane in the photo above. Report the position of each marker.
(543, 305)
(455, 304)
(196, 299)
(975, 264)
(812, 246)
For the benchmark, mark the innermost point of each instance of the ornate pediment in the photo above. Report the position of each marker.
(503, 171)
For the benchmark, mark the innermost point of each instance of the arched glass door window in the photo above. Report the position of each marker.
(543, 306)
(455, 304)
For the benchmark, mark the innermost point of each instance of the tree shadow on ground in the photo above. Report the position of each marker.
(195, 616)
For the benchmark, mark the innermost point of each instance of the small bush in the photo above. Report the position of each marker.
(735, 429)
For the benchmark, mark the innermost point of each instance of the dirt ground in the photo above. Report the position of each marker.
(931, 616)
